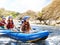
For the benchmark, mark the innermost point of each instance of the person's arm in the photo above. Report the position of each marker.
(21, 27)
(2, 23)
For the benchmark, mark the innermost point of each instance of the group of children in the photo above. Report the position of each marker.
(25, 26)
(9, 24)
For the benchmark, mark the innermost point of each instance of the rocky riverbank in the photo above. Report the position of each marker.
(47, 22)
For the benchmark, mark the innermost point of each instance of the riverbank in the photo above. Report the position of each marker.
(44, 23)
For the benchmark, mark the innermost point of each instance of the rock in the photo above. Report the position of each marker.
(42, 22)
(53, 22)
(48, 22)
(58, 22)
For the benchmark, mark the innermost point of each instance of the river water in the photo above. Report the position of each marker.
(53, 38)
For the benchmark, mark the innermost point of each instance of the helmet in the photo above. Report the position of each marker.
(3, 17)
(9, 17)
(25, 17)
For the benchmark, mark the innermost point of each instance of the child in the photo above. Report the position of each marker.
(2, 22)
(10, 23)
(25, 27)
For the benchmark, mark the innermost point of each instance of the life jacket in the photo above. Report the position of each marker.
(2, 23)
(10, 24)
(25, 26)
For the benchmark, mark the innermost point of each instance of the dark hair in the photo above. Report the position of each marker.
(23, 21)
(25, 26)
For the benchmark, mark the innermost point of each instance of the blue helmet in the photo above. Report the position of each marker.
(25, 17)
(9, 17)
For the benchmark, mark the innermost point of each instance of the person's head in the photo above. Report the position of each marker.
(3, 18)
(26, 18)
(10, 18)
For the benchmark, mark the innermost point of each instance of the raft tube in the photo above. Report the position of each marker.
(41, 35)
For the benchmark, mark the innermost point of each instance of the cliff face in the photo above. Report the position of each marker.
(52, 11)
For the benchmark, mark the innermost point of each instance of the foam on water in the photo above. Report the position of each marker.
(55, 40)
